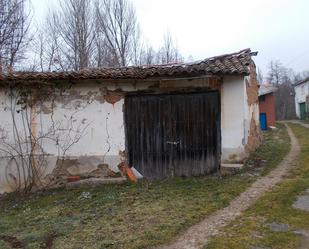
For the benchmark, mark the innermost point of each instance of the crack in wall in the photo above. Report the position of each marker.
(107, 138)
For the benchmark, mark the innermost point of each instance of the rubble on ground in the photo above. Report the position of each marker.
(70, 174)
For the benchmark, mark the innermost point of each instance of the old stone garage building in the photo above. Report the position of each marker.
(166, 120)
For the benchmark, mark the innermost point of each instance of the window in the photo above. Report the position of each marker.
(262, 98)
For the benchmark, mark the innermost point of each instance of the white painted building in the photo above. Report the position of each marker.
(182, 119)
(302, 98)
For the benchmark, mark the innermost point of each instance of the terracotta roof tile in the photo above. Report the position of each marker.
(236, 63)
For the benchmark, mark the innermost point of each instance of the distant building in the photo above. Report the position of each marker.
(302, 98)
(267, 106)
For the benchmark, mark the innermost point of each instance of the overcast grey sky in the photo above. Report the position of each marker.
(277, 29)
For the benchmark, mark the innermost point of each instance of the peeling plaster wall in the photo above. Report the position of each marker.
(5, 125)
(239, 117)
(105, 132)
(252, 113)
(92, 107)
(99, 106)
(104, 138)
(6, 129)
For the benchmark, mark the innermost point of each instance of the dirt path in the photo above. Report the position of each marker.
(198, 235)
(299, 122)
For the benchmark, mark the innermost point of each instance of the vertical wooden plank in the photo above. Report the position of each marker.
(193, 120)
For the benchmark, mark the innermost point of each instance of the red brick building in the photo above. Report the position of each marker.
(267, 106)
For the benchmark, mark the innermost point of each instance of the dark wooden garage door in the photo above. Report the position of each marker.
(173, 135)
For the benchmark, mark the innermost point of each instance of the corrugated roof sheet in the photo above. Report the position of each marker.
(228, 64)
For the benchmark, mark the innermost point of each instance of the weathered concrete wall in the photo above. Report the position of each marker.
(99, 112)
(233, 118)
(98, 108)
(89, 107)
(239, 117)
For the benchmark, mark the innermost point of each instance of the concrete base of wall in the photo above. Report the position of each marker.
(232, 155)
(70, 166)
(231, 169)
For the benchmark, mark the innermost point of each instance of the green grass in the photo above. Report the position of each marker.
(251, 228)
(130, 216)
(275, 146)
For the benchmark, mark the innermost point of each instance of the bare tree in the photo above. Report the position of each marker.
(70, 36)
(168, 53)
(144, 55)
(102, 33)
(260, 76)
(276, 73)
(149, 56)
(138, 49)
(47, 46)
(14, 28)
(283, 79)
(103, 56)
(118, 27)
